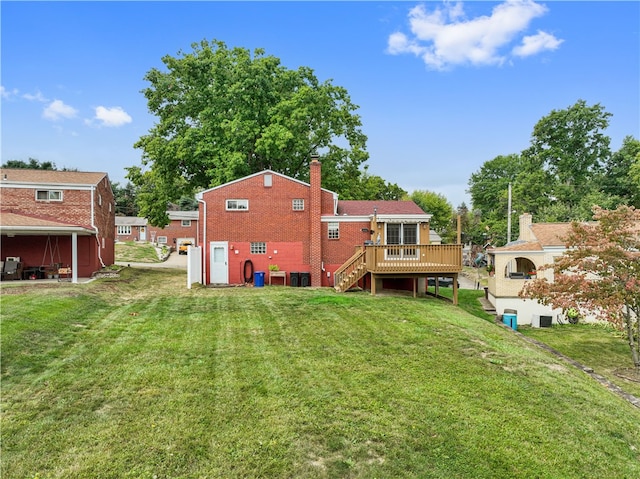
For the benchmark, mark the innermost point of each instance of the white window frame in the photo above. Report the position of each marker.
(333, 230)
(162, 240)
(258, 247)
(237, 205)
(124, 230)
(185, 223)
(402, 249)
(297, 204)
(51, 195)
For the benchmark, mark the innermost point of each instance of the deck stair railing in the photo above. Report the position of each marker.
(351, 271)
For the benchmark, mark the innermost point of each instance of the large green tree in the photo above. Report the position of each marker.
(618, 179)
(442, 211)
(225, 113)
(571, 147)
(567, 169)
(31, 164)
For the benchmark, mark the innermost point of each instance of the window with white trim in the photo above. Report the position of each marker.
(334, 231)
(49, 195)
(124, 229)
(235, 205)
(186, 223)
(298, 204)
(259, 247)
(162, 240)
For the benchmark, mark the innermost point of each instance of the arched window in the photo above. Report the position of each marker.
(520, 268)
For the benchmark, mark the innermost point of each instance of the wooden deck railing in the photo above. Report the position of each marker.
(398, 260)
(350, 272)
(414, 258)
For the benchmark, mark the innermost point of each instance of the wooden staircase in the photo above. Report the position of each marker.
(351, 271)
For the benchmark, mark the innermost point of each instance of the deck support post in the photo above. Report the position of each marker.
(455, 289)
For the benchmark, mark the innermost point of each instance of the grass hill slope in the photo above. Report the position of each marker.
(140, 377)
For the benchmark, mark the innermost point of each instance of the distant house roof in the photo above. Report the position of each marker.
(130, 221)
(550, 234)
(367, 208)
(50, 177)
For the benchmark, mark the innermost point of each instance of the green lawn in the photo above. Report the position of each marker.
(140, 377)
(136, 252)
(600, 347)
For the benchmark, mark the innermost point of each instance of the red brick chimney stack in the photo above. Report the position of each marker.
(315, 208)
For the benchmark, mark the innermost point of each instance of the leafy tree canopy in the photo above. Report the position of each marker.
(31, 164)
(125, 197)
(226, 113)
(600, 272)
(567, 169)
(442, 211)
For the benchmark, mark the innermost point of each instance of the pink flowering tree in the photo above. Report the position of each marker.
(599, 274)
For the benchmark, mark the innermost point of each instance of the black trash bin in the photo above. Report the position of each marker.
(305, 279)
(294, 279)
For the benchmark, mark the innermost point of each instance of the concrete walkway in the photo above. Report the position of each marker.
(174, 261)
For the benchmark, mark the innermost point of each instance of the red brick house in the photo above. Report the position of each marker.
(51, 219)
(268, 218)
(131, 228)
(183, 225)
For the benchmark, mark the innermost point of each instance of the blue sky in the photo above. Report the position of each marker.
(442, 86)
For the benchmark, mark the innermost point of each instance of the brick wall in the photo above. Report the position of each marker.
(270, 219)
(173, 231)
(75, 207)
(105, 220)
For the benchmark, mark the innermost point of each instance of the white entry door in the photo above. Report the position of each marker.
(219, 259)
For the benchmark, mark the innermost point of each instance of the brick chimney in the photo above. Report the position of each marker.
(525, 233)
(315, 208)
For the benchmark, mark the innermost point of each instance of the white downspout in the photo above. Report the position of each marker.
(204, 242)
(93, 225)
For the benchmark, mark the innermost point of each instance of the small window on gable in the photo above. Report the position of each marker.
(49, 195)
(298, 205)
(234, 205)
(186, 223)
(334, 230)
(259, 247)
(268, 181)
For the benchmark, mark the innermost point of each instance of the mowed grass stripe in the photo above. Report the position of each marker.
(284, 382)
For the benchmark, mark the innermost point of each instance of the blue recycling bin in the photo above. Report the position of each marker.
(258, 280)
(510, 320)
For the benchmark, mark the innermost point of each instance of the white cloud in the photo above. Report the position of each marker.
(444, 37)
(58, 110)
(536, 43)
(6, 94)
(37, 96)
(115, 116)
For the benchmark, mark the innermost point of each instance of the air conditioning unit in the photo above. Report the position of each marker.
(541, 321)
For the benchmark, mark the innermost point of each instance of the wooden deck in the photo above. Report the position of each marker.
(400, 261)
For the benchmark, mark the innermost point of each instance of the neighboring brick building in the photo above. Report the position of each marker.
(268, 218)
(182, 225)
(131, 228)
(52, 218)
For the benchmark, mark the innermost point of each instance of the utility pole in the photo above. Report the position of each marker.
(509, 217)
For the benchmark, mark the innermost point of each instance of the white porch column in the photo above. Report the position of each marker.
(74, 257)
